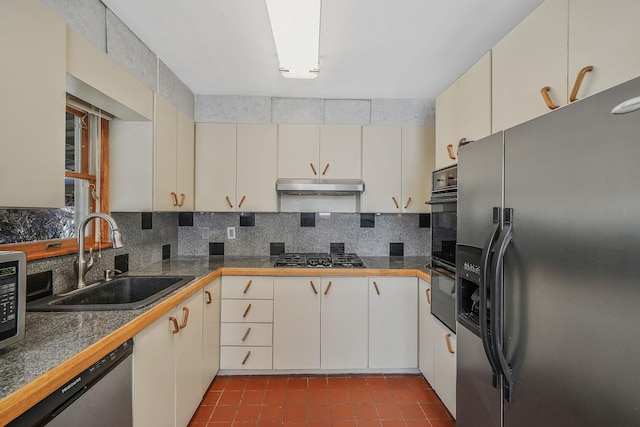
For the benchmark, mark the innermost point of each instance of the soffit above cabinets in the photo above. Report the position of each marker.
(368, 48)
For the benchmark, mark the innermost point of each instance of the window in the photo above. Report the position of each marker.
(51, 232)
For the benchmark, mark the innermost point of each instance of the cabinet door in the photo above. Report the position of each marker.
(532, 56)
(381, 169)
(426, 355)
(210, 333)
(447, 126)
(604, 35)
(166, 131)
(474, 106)
(340, 151)
(298, 151)
(215, 167)
(418, 160)
(393, 322)
(445, 365)
(32, 105)
(344, 323)
(189, 359)
(185, 147)
(256, 168)
(154, 372)
(296, 323)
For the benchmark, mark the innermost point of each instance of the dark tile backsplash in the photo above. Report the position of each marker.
(216, 248)
(424, 220)
(276, 248)
(185, 219)
(336, 248)
(247, 220)
(396, 249)
(367, 220)
(166, 251)
(307, 219)
(121, 262)
(147, 220)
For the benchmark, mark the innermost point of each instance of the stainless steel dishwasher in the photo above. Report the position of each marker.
(101, 396)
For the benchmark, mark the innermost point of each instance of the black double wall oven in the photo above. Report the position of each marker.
(444, 218)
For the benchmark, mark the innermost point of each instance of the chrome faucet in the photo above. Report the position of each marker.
(84, 266)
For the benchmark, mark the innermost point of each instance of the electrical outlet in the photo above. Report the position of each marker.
(231, 233)
(205, 233)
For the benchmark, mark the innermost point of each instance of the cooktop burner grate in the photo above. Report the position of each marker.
(319, 260)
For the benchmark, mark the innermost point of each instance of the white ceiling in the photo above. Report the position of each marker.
(368, 48)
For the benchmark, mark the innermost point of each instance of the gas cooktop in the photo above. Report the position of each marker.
(319, 260)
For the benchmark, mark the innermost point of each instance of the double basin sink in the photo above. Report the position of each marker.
(121, 293)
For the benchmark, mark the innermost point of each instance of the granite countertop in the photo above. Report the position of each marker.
(52, 338)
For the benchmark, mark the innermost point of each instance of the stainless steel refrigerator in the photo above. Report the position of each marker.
(548, 267)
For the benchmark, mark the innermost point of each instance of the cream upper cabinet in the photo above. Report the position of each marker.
(532, 57)
(215, 167)
(381, 168)
(256, 168)
(174, 158)
(32, 105)
(463, 111)
(235, 167)
(447, 126)
(340, 151)
(418, 160)
(298, 151)
(396, 168)
(603, 35)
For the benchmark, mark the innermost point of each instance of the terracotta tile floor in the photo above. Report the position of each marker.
(321, 400)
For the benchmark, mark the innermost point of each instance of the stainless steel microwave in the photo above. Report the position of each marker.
(13, 291)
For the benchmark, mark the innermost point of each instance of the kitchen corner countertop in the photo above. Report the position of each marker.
(58, 346)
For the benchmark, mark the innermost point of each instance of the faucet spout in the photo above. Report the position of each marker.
(84, 266)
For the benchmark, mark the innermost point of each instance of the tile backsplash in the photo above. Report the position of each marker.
(287, 228)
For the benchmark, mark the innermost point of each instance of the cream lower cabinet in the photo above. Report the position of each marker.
(32, 105)
(444, 344)
(167, 367)
(296, 323)
(246, 323)
(235, 167)
(426, 354)
(393, 322)
(396, 168)
(344, 323)
(210, 333)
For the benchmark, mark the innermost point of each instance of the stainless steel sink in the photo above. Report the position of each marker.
(122, 293)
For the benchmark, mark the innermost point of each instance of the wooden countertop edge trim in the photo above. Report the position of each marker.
(27, 396)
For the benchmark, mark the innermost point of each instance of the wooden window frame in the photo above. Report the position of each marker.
(51, 248)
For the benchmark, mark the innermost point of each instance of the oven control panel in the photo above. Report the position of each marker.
(8, 298)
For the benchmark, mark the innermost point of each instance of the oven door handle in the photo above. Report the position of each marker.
(496, 304)
(485, 279)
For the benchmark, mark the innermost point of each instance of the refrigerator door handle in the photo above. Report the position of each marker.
(496, 304)
(485, 279)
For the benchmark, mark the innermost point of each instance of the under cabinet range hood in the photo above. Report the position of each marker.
(319, 187)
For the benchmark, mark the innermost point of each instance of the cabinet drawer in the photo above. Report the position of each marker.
(245, 358)
(247, 311)
(247, 287)
(246, 334)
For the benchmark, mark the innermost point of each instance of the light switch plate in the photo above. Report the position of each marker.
(231, 233)
(205, 233)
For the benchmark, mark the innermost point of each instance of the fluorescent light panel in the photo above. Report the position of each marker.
(296, 31)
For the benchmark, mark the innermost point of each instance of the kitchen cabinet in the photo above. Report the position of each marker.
(32, 105)
(236, 167)
(211, 333)
(296, 323)
(344, 312)
(396, 168)
(426, 333)
(246, 322)
(393, 322)
(174, 158)
(167, 374)
(531, 57)
(325, 151)
(445, 365)
(463, 111)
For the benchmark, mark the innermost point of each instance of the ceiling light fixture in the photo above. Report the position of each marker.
(296, 31)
